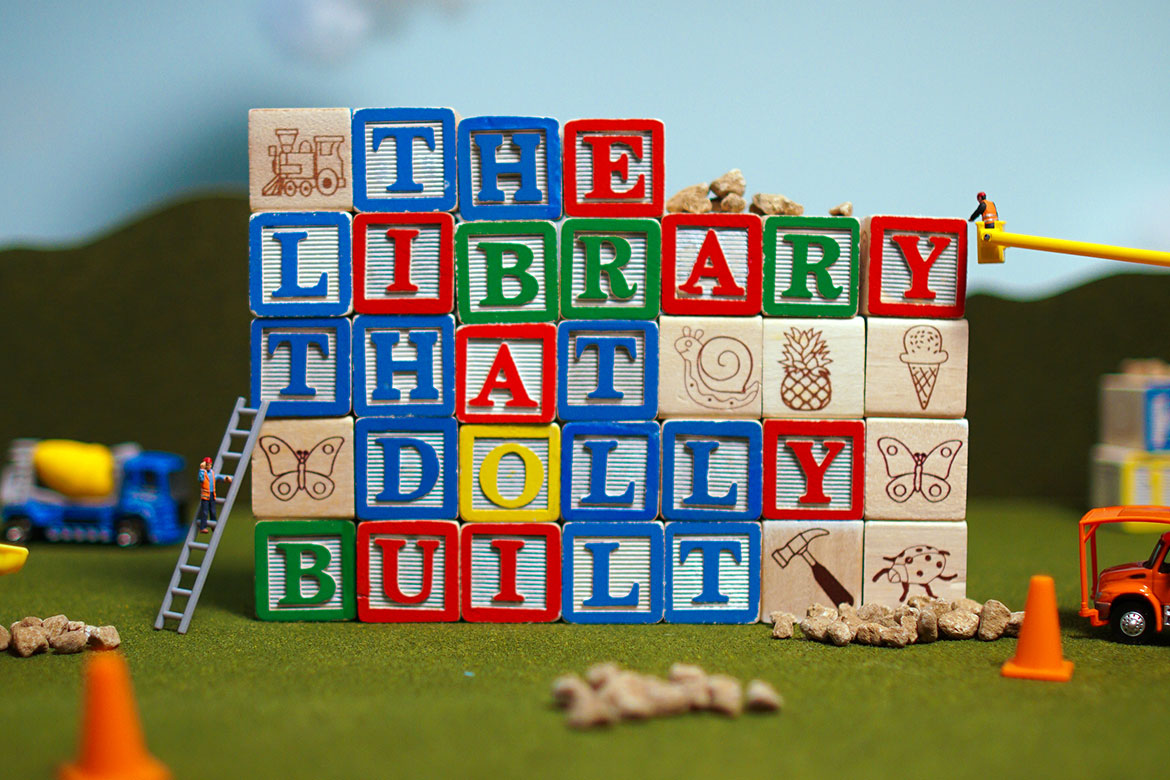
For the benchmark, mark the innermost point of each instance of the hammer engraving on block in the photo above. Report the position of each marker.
(798, 547)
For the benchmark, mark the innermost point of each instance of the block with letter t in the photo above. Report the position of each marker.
(404, 159)
(299, 264)
(506, 373)
(914, 267)
(509, 168)
(611, 268)
(612, 572)
(614, 168)
(712, 572)
(811, 266)
(408, 571)
(610, 471)
(712, 264)
(607, 370)
(404, 365)
(302, 366)
(404, 263)
(506, 271)
(510, 572)
(406, 468)
(305, 570)
(814, 469)
(711, 469)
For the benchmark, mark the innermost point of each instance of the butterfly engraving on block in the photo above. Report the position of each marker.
(916, 472)
(297, 470)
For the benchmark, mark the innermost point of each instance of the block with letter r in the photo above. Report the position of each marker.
(611, 268)
(408, 571)
(914, 267)
(614, 168)
(506, 271)
(612, 572)
(305, 570)
(404, 263)
(299, 264)
(814, 469)
(509, 168)
(404, 365)
(406, 468)
(811, 266)
(510, 572)
(711, 469)
(404, 159)
(609, 471)
(301, 366)
(607, 370)
(712, 572)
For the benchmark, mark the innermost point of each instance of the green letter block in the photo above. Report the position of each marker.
(506, 271)
(810, 266)
(305, 570)
(611, 268)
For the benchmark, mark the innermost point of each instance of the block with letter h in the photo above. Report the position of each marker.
(404, 159)
(509, 168)
(305, 570)
(404, 263)
(505, 373)
(607, 370)
(609, 471)
(814, 469)
(506, 271)
(711, 469)
(611, 268)
(712, 572)
(712, 264)
(612, 572)
(299, 264)
(408, 571)
(302, 366)
(510, 572)
(614, 168)
(509, 472)
(406, 468)
(914, 267)
(404, 365)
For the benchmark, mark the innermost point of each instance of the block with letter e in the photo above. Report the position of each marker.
(301, 366)
(811, 266)
(299, 264)
(404, 365)
(712, 264)
(510, 572)
(712, 572)
(406, 468)
(711, 469)
(609, 471)
(612, 572)
(404, 263)
(509, 168)
(614, 168)
(607, 370)
(305, 570)
(404, 159)
(814, 469)
(408, 571)
(611, 268)
(914, 267)
(506, 271)
(509, 473)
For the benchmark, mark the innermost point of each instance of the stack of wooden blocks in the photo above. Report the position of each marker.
(633, 417)
(1131, 464)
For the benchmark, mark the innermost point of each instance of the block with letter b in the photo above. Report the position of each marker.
(614, 168)
(404, 263)
(914, 267)
(712, 572)
(506, 271)
(814, 469)
(408, 571)
(506, 373)
(510, 572)
(607, 370)
(305, 570)
(404, 365)
(712, 264)
(404, 159)
(611, 268)
(302, 366)
(299, 264)
(509, 168)
(406, 468)
(612, 572)
(509, 472)
(811, 266)
(711, 469)
(609, 471)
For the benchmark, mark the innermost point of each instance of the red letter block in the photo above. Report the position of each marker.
(712, 264)
(404, 263)
(613, 168)
(506, 373)
(511, 572)
(814, 469)
(408, 571)
(914, 267)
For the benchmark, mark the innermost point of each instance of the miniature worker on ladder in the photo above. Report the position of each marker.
(987, 209)
(206, 511)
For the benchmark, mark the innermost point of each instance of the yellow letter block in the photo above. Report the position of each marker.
(510, 473)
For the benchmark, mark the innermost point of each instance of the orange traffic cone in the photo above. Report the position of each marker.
(112, 745)
(1038, 654)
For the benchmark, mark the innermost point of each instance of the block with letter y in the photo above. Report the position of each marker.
(914, 267)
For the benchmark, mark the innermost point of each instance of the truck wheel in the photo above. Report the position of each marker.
(1132, 622)
(128, 533)
(17, 530)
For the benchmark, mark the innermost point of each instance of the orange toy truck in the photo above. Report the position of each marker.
(1132, 598)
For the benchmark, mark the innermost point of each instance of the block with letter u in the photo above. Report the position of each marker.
(408, 571)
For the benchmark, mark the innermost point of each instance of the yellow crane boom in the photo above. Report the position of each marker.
(992, 242)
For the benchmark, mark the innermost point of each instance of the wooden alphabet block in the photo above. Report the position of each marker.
(607, 370)
(712, 572)
(509, 472)
(914, 267)
(408, 571)
(404, 159)
(1135, 412)
(814, 469)
(811, 266)
(506, 271)
(916, 368)
(299, 264)
(810, 562)
(904, 559)
(612, 573)
(712, 264)
(304, 468)
(711, 469)
(509, 168)
(614, 168)
(814, 368)
(510, 572)
(610, 471)
(404, 263)
(915, 469)
(305, 570)
(506, 373)
(404, 365)
(299, 159)
(710, 366)
(611, 268)
(302, 366)
(406, 468)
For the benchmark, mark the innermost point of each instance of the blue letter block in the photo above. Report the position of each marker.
(299, 264)
(302, 366)
(712, 572)
(612, 573)
(404, 159)
(404, 366)
(406, 468)
(607, 370)
(502, 160)
(609, 471)
(712, 469)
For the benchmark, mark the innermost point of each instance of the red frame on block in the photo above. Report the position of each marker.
(753, 286)
(449, 531)
(614, 208)
(813, 429)
(444, 303)
(879, 226)
(550, 611)
(546, 332)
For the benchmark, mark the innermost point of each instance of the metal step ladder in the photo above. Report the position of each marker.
(196, 557)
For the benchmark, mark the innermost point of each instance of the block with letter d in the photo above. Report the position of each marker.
(814, 469)
(612, 572)
(609, 471)
(509, 168)
(404, 263)
(607, 370)
(811, 266)
(914, 267)
(299, 264)
(614, 168)
(510, 572)
(711, 469)
(305, 570)
(712, 572)
(506, 271)
(408, 571)
(509, 472)
(404, 159)
(302, 366)
(406, 468)
(404, 365)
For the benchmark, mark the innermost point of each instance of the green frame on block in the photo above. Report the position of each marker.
(547, 231)
(310, 530)
(775, 307)
(607, 309)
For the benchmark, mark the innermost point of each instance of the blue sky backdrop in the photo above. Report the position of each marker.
(1059, 110)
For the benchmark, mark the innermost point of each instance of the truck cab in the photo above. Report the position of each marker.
(1133, 599)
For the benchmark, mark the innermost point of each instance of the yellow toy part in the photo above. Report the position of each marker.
(12, 558)
(75, 469)
(991, 243)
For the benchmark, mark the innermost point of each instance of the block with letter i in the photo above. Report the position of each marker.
(614, 168)
(404, 159)
(607, 370)
(509, 472)
(914, 267)
(302, 366)
(404, 365)
(712, 572)
(509, 168)
(404, 263)
(611, 268)
(406, 468)
(505, 373)
(510, 572)
(712, 264)
(305, 570)
(299, 264)
(814, 469)
(915, 469)
(408, 571)
(811, 266)
(711, 469)
(506, 271)
(299, 159)
(612, 572)
(609, 471)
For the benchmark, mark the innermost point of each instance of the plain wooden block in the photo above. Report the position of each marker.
(710, 367)
(915, 469)
(509, 472)
(305, 570)
(612, 572)
(510, 572)
(506, 373)
(712, 264)
(814, 368)
(408, 571)
(904, 559)
(304, 468)
(712, 572)
(916, 368)
(810, 562)
(299, 159)
(913, 267)
(1135, 411)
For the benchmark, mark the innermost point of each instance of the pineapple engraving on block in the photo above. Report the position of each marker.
(807, 384)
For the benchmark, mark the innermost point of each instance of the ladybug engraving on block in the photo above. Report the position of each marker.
(917, 565)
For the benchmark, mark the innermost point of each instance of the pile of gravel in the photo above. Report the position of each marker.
(32, 635)
(727, 195)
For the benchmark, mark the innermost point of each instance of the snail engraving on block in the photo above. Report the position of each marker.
(717, 371)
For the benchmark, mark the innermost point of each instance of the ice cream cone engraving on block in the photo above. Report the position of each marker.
(923, 356)
(807, 384)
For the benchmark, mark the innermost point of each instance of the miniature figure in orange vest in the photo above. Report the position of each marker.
(207, 495)
(987, 209)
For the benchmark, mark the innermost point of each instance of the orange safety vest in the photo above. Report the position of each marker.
(207, 486)
(989, 212)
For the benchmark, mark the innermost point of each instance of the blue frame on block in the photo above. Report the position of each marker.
(711, 552)
(401, 118)
(609, 608)
(444, 382)
(298, 355)
(745, 429)
(1155, 408)
(441, 470)
(549, 207)
(607, 355)
(613, 510)
(298, 306)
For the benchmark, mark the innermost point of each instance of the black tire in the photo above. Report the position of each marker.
(1132, 621)
(128, 532)
(18, 530)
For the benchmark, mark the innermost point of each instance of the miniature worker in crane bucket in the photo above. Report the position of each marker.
(206, 511)
(987, 209)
